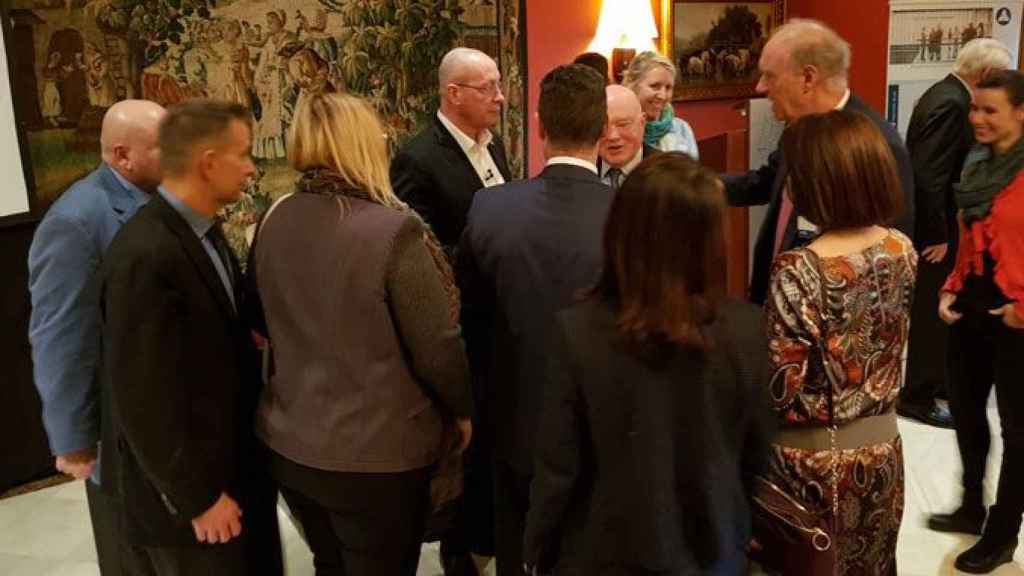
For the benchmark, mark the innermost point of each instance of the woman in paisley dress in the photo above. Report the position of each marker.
(838, 316)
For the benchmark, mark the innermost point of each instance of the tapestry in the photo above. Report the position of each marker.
(74, 58)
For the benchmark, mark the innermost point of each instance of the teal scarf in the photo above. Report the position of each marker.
(984, 176)
(655, 130)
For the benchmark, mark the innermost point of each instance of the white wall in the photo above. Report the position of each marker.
(13, 191)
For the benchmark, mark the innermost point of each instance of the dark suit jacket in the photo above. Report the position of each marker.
(432, 174)
(765, 185)
(181, 376)
(648, 151)
(939, 138)
(528, 249)
(647, 468)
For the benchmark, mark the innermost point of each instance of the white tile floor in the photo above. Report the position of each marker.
(47, 533)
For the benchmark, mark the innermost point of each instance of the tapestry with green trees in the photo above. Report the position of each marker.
(75, 58)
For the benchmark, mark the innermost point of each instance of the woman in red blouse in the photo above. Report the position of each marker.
(980, 301)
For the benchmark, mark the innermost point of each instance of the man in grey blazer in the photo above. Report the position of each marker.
(64, 328)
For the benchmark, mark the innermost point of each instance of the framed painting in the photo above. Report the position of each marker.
(716, 45)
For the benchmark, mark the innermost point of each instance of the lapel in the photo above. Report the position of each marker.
(457, 161)
(121, 199)
(192, 246)
(497, 150)
(649, 151)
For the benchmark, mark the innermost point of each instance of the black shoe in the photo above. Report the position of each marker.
(933, 415)
(963, 521)
(985, 556)
(458, 565)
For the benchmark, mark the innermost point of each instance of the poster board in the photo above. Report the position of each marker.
(924, 40)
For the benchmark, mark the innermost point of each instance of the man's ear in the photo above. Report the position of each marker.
(540, 128)
(811, 77)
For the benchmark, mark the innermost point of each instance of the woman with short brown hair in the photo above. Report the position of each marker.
(657, 419)
(838, 313)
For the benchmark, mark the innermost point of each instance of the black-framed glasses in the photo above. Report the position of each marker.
(490, 90)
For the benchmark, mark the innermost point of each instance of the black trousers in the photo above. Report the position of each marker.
(106, 530)
(228, 559)
(358, 524)
(473, 529)
(984, 351)
(511, 504)
(929, 335)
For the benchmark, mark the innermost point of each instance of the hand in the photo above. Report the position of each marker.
(78, 464)
(465, 427)
(936, 253)
(220, 523)
(946, 313)
(1010, 317)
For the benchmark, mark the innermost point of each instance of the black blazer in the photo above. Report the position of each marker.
(180, 374)
(765, 185)
(646, 468)
(648, 151)
(938, 138)
(432, 174)
(528, 249)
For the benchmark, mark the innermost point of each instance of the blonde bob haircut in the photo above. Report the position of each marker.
(342, 133)
(642, 64)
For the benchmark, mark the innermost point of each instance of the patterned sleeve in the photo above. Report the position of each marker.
(793, 320)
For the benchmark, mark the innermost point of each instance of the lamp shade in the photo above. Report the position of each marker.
(625, 24)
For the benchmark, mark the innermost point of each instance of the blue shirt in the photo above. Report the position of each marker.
(201, 225)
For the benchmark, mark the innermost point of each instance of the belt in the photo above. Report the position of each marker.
(866, 431)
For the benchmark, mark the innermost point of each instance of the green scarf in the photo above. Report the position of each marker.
(655, 130)
(984, 176)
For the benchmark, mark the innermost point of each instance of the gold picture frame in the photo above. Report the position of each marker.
(715, 45)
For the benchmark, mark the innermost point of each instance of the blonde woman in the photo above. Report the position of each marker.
(361, 313)
(653, 78)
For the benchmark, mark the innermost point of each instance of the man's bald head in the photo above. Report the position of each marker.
(625, 127)
(470, 87)
(129, 141)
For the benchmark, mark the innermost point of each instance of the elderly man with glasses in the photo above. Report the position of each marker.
(438, 173)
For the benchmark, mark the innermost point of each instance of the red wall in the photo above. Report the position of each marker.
(558, 30)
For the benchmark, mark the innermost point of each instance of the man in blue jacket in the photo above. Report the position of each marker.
(64, 330)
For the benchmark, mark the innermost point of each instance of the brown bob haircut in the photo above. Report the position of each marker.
(193, 123)
(664, 247)
(841, 171)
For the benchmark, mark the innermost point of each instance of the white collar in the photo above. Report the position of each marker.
(846, 100)
(573, 161)
(466, 142)
(637, 158)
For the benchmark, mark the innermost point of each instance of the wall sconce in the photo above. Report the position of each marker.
(624, 28)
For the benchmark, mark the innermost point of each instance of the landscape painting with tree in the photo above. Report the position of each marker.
(716, 45)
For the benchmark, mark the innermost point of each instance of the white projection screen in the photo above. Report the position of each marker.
(13, 189)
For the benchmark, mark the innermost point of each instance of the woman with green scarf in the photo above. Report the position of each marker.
(653, 78)
(981, 301)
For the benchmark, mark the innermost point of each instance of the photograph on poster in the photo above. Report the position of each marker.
(924, 37)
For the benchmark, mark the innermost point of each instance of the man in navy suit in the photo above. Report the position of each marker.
(623, 148)
(64, 329)
(528, 250)
(804, 71)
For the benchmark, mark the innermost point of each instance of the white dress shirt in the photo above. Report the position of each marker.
(476, 151)
(572, 161)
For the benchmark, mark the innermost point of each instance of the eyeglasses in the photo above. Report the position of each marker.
(490, 90)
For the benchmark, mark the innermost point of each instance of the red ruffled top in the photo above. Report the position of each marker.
(1001, 234)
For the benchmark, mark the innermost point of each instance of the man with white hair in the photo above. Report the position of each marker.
(939, 138)
(438, 173)
(442, 167)
(622, 148)
(64, 329)
(804, 69)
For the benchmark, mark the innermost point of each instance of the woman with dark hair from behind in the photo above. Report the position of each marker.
(657, 419)
(838, 314)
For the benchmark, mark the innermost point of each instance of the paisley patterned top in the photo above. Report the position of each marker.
(849, 316)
